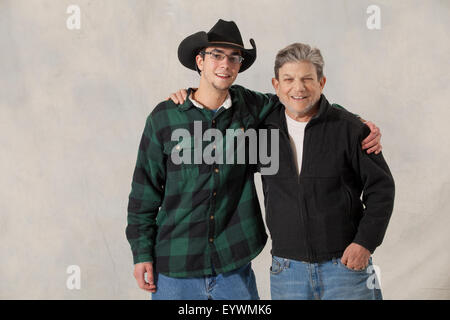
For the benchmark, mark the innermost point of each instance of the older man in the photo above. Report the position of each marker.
(322, 232)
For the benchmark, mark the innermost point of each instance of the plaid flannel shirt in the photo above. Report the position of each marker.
(193, 220)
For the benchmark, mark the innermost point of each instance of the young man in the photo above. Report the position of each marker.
(194, 227)
(322, 232)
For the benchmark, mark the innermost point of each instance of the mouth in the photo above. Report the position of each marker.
(299, 98)
(223, 76)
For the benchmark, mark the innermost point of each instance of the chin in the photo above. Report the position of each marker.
(299, 110)
(222, 87)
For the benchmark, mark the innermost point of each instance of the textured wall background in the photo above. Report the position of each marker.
(73, 105)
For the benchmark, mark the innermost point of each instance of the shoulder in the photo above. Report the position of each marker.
(238, 90)
(351, 121)
(160, 114)
(164, 107)
(341, 113)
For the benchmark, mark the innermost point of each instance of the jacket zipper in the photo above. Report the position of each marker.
(299, 201)
(303, 208)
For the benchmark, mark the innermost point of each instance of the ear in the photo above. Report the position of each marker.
(275, 84)
(322, 82)
(199, 61)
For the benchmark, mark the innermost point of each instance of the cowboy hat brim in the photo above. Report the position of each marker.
(190, 47)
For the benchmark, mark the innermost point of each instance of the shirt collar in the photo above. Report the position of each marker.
(226, 104)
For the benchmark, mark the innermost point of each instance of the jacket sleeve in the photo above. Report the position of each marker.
(378, 194)
(338, 106)
(146, 195)
(259, 104)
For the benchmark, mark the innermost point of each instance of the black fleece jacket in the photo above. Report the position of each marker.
(314, 216)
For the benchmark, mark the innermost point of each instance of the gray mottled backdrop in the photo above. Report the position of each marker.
(73, 105)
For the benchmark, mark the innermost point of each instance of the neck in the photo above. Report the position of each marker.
(210, 97)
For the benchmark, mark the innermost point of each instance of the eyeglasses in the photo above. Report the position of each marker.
(218, 56)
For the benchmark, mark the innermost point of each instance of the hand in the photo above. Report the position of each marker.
(139, 273)
(356, 257)
(372, 141)
(179, 97)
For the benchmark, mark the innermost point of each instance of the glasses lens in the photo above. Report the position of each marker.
(217, 56)
(236, 59)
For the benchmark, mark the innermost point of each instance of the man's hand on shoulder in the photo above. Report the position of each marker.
(178, 97)
(372, 141)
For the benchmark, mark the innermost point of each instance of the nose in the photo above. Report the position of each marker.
(299, 85)
(226, 63)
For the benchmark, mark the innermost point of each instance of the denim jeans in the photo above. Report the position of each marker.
(239, 284)
(330, 280)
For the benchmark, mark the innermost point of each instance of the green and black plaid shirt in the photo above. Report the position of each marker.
(188, 218)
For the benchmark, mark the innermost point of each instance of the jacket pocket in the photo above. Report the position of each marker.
(349, 205)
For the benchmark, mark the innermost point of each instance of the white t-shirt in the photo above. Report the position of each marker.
(296, 131)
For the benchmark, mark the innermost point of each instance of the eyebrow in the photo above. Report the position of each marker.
(232, 53)
(286, 75)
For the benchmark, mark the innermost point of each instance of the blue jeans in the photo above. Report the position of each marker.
(239, 284)
(330, 280)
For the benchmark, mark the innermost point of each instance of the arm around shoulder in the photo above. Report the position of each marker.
(378, 195)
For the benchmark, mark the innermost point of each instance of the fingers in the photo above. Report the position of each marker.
(150, 278)
(372, 141)
(139, 273)
(344, 259)
(174, 98)
(183, 94)
(377, 149)
(355, 264)
(355, 257)
(374, 132)
(178, 97)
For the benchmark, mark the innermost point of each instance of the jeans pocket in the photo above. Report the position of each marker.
(276, 267)
(352, 270)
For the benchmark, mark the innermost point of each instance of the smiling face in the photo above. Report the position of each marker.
(220, 75)
(299, 89)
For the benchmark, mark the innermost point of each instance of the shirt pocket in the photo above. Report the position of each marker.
(180, 160)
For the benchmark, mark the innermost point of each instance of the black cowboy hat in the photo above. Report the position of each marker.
(223, 34)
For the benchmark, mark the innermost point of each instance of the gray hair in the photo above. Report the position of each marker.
(300, 52)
